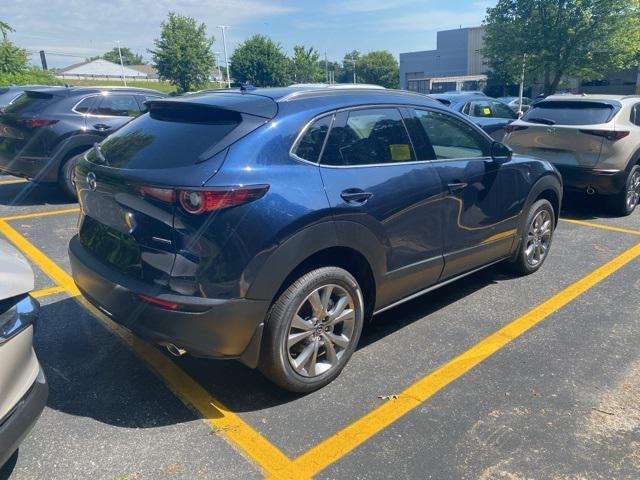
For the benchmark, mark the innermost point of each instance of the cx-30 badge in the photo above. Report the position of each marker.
(91, 181)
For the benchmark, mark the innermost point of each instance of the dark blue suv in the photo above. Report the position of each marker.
(267, 225)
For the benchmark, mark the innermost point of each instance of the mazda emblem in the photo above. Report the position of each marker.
(91, 181)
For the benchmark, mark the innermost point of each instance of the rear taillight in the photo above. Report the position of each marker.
(205, 200)
(35, 122)
(608, 134)
(514, 128)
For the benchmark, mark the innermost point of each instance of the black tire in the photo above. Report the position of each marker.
(65, 180)
(520, 264)
(618, 203)
(276, 359)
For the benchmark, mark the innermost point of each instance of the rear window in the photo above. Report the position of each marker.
(29, 102)
(310, 145)
(170, 136)
(570, 113)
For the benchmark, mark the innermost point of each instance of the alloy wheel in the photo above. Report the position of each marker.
(539, 238)
(633, 190)
(321, 330)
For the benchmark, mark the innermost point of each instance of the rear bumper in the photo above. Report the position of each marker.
(42, 170)
(19, 422)
(218, 328)
(604, 182)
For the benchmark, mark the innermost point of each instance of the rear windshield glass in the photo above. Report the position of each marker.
(29, 102)
(570, 113)
(170, 136)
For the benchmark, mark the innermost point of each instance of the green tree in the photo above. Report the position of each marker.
(349, 62)
(261, 62)
(183, 53)
(305, 65)
(581, 38)
(334, 67)
(379, 67)
(13, 59)
(128, 57)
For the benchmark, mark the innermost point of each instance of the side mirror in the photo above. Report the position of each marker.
(500, 152)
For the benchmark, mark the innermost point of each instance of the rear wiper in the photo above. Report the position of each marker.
(99, 154)
(544, 121)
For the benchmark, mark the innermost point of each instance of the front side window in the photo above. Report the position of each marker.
(368, 137)
(451, 137)
(116, 106)
(310, 144)
(489, 109)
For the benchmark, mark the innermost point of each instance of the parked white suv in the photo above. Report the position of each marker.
(23, 388)
(594, 140)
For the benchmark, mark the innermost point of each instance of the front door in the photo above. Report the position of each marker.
(372, 176)
(481, 206)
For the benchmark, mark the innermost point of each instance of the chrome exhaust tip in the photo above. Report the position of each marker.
(591, 190)
(175, 351)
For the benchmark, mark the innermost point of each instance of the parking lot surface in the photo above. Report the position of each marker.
(491, 377)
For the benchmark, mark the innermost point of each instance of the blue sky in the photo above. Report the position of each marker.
(80, 28)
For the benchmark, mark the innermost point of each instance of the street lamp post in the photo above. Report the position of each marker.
(226, 58)
(124, 80)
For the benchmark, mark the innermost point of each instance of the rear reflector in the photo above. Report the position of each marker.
(206, 200)
(608, 134)
(35, 122)
(159, 302)
(514, 128)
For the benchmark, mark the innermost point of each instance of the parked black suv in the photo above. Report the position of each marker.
(42, 130)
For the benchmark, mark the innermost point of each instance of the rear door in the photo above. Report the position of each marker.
(562, 132)
(373, 176)
(111, 111)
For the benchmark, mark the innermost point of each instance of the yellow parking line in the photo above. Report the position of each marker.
(601, 226)
(338, 445)
(40, 214)
(13, 180)
(220, 418)
(43, 292)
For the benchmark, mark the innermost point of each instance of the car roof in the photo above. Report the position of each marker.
(75, 90)
(591, 97)
(460, 97)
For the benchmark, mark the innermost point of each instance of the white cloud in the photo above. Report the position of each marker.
(432, 20)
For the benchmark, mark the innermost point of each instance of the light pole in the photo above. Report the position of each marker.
(226, 58)
(353, 59)
(124, 80)
(524, 64)
(217, 56)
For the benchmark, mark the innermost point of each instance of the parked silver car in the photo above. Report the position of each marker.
(23, 388)
(594, 140)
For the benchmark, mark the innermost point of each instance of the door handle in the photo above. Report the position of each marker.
(457, 186)
(356, 196)
(101, 126)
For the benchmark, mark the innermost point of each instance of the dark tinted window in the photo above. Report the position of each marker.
(116, 106)
(85, 105)
(569, 113)
(368, 137)
(29, 102)
(489, 109)
(635, 114)
(450, 137)
(310, 145)
(170, 136)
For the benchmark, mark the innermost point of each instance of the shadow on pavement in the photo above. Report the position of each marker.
(31, 194)
(585, 207)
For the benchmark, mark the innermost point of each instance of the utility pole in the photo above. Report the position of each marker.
(217, 57)
(124, 80)
(326, 67)
(352, 59)
(226, 58)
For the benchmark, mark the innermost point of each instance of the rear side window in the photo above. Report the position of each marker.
(450, 137)
(570, 113)
(367, 137)
(310, 144)
(116, 106)
(29, 102)
(170, 136)
(85, 105)
(635, 114)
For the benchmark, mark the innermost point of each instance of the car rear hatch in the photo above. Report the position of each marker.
(565, 132)
(23, 132)
(128, 186)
